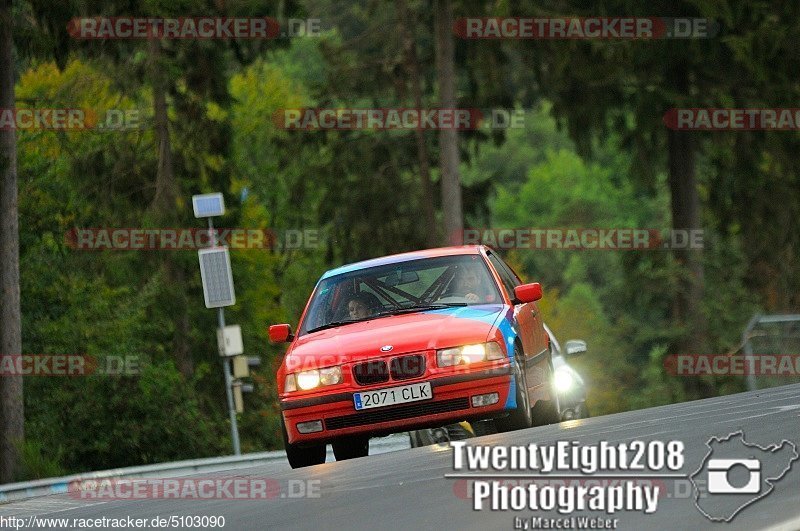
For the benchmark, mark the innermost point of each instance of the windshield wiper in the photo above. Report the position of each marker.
(422, 308)
(332, 324)
(395, 311)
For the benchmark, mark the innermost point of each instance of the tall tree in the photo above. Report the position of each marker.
(601, 86)
(448, 138)
(12, 414)
(685, 208)
(167, 190)
(423, 158)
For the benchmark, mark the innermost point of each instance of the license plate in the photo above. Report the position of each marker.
(393, 395)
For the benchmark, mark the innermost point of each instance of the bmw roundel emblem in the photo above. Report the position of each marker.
(386, 348)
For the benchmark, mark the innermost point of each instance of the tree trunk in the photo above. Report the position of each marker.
(448, 138)
(12, 411)
(166, 190)
(163, 205)
(423, 160)
(685, 206)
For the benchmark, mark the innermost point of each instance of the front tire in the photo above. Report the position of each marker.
(350, 448)
(300, 457)
(521, 417)
(546, 412)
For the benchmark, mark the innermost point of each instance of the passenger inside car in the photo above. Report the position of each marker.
(363, 305)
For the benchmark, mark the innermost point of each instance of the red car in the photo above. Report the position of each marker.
(410, 341)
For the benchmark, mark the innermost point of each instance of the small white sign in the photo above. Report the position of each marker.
(229, 341)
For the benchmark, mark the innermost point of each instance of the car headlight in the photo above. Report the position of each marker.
(307, 380)
(330, 375)
(563, 380)
(469, 354)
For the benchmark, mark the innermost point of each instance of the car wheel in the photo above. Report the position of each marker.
(520, 418)
(545, 412)
(300, 456)
(350, 448)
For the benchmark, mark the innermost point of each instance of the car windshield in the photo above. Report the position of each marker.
(403, 287)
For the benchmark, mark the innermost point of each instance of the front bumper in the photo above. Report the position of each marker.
(451, 402)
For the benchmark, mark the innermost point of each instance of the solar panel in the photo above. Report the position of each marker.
(215, 272)
(208, 205)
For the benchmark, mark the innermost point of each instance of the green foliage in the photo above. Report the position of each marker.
(618, 301)
(99, 422)
(38, 462)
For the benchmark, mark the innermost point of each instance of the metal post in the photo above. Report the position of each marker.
(748, 354)
(757, 319)
(225, 363)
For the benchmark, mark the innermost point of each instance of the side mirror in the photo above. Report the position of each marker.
(280, 333)
(528, 292)
(573, 347)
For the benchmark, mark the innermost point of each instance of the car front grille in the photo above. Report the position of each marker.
(396, 413)
(405, 367)
(371, 372)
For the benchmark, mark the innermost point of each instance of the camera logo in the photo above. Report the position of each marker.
(735, 474)
(718, 482)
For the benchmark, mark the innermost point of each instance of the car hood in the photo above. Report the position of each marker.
(413, 332)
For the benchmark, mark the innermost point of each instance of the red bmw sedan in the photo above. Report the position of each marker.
(410, 341)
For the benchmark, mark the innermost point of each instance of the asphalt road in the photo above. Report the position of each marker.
(407, 489)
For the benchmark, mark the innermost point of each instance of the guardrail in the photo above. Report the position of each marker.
(747, 335)
(45, 487)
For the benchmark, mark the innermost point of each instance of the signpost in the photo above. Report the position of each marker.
(218, 292)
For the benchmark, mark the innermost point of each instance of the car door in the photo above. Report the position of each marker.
(522, 314)
(534, 339)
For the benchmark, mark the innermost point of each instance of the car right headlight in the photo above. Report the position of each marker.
(467, 354)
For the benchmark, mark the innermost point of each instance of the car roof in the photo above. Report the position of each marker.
(405, 257)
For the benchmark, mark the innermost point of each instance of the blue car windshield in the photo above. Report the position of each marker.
(373, 292)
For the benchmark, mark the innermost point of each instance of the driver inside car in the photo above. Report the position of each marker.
(467, 285)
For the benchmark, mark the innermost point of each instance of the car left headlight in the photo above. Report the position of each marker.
(307, 380)
(563, 380)
(469, 354)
